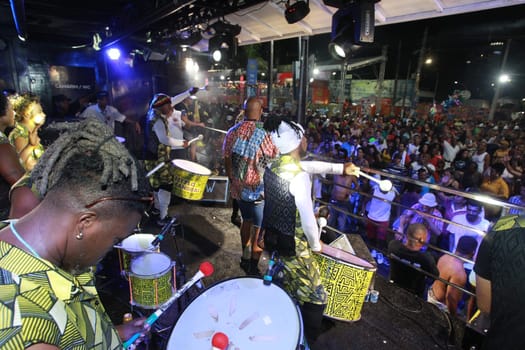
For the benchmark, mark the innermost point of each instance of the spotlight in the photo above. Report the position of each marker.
(222, 47)
(113, 53)
(296, 12)
(352, 26)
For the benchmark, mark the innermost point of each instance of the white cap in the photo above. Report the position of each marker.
(286, 138)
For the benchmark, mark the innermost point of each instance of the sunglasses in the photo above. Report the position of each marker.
(147, 201)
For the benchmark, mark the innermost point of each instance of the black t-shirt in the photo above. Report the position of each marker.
(406, 276)
(501, 259)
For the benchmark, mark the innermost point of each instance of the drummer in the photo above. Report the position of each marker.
(93, 194)
(287, 188)
(167, 124)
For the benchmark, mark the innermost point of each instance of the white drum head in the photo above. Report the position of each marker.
(192, 167)
(137, 243)
(150, 264)
(253, 316)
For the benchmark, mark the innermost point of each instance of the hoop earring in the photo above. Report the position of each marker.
(79, 235)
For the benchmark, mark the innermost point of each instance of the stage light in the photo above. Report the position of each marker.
(222, 47)
(352, 26)
(296, 12)
(113, 53)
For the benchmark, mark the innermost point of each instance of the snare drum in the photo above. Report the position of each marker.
(252, 315)
(189, 179)
(346, 279)
(133, 246)
(151, 280)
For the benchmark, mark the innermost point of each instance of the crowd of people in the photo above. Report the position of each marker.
(465, 155)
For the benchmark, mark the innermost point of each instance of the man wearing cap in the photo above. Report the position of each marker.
(428, 215)
(290, 226)
(106, 113)
(444, 296)
(165, 123)
(247, 148)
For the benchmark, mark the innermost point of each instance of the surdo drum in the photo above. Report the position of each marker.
(252, 315)
(346, 279)
(151, 280)
(189, 179)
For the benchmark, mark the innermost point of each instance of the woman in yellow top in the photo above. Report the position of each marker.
(24, 137)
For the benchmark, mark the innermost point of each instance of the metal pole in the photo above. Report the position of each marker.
(303, 76)
(380, 80)
(497, 91)
(419, 67)
(396, 77)
(270, 78)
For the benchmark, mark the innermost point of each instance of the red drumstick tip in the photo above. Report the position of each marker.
(220, 341)
(206, 268)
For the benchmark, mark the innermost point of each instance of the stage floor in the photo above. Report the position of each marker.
(398, 320)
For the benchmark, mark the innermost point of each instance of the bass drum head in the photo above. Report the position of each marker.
(253, 316)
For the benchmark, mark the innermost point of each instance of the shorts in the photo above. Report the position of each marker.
(252, 211)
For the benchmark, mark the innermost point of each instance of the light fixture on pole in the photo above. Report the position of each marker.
(223, 46)
(352, 26)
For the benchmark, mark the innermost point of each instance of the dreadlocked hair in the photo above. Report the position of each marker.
(90, 150)
(272, 124)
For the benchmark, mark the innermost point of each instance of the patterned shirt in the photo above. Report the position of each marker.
(250, 149)
(40, 303)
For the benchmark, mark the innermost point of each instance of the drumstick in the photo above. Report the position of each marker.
(205, 270)
(218, 130)
(154, 170)
(384, 185)
(198, 138)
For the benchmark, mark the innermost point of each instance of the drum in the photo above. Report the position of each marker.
(132, 246)
(189, 179)
(346, 279)
(151, 280)
(252, 315)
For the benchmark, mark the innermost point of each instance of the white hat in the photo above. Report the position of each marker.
(286, 138)
(428, 200)
(516, 127)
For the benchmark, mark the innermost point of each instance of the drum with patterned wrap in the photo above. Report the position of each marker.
(151, 280)
(189, 179)
(346, 279)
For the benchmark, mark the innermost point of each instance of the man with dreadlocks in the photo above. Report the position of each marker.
(289, 221)
(92, 196)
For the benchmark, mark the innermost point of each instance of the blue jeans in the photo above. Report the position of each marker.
(252, 211)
